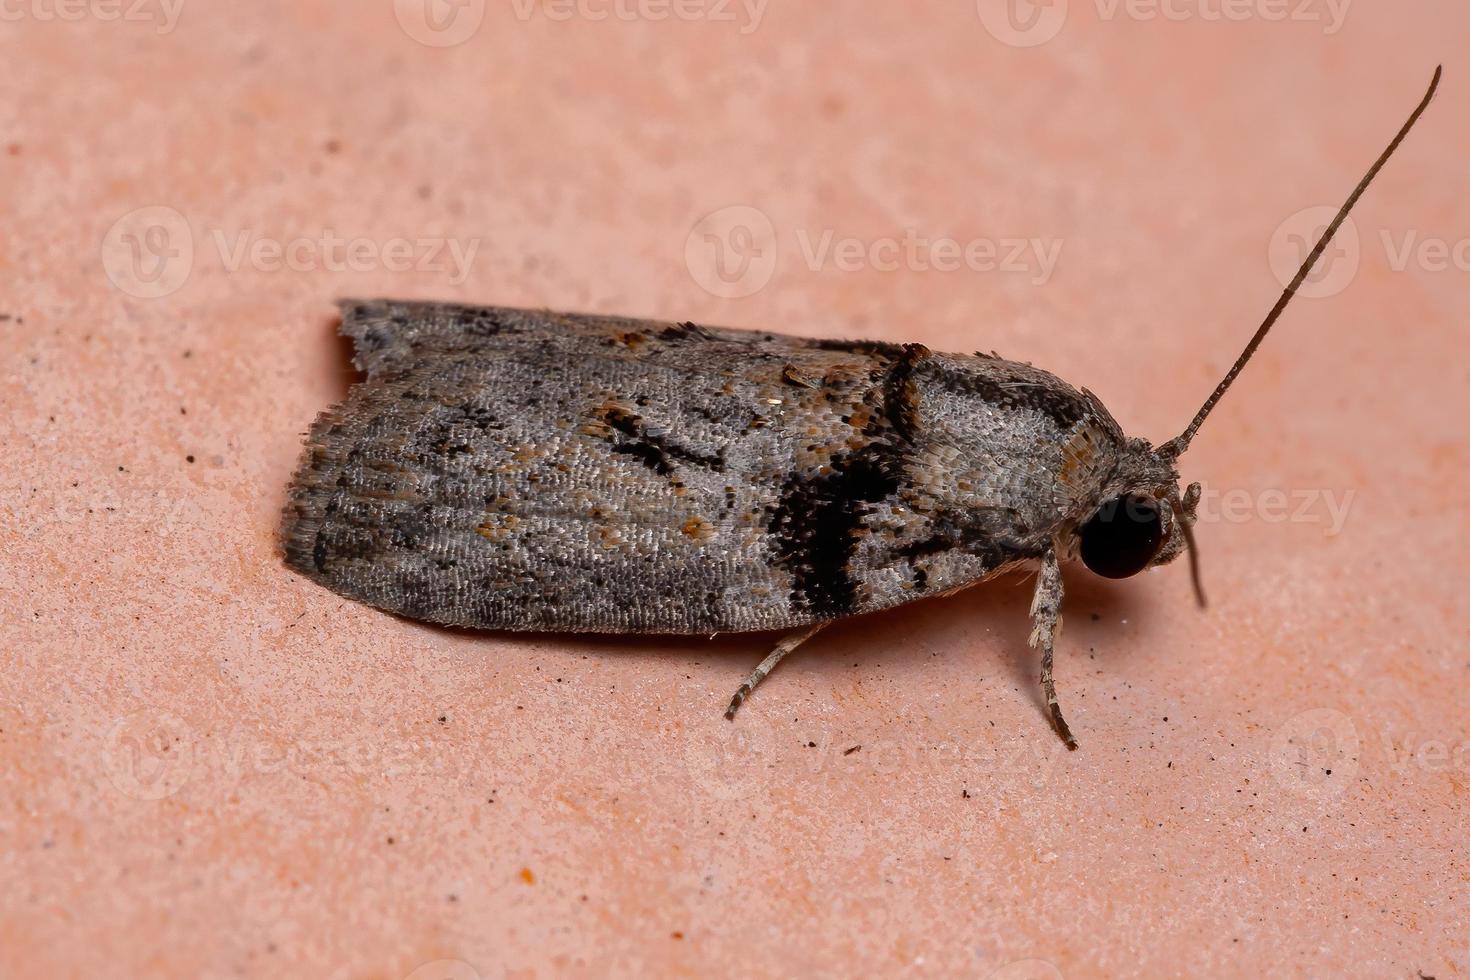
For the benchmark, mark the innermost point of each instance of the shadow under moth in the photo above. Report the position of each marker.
(528, 470)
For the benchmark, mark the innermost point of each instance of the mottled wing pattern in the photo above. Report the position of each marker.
(531, 470)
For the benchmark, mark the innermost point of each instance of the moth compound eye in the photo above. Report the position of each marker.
(1123, 537)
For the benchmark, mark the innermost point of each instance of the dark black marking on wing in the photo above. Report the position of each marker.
(1062, 407)
(687, 330)
(995, 535)
(867, 347)
(657, 452)
(815, 525)
(819, 520)
(343, 542)
(900, 393)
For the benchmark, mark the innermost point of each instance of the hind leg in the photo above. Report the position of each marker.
(787, 644)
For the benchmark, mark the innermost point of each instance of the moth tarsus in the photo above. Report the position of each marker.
(764, 668)
(530, 470)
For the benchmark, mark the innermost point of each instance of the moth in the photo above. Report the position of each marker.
(528, 470)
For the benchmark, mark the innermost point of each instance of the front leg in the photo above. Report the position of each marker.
(1046, 614)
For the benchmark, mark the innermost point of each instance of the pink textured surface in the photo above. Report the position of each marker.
(210, 767)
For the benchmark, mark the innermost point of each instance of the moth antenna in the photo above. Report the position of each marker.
(1176, 446)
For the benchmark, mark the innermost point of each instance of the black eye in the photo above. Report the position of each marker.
(1123, 537)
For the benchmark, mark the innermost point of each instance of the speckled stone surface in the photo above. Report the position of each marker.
(210, 767)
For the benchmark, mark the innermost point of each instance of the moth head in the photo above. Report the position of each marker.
(1142, 520)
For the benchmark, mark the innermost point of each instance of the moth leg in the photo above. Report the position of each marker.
(787, 644)
(1046, 614)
